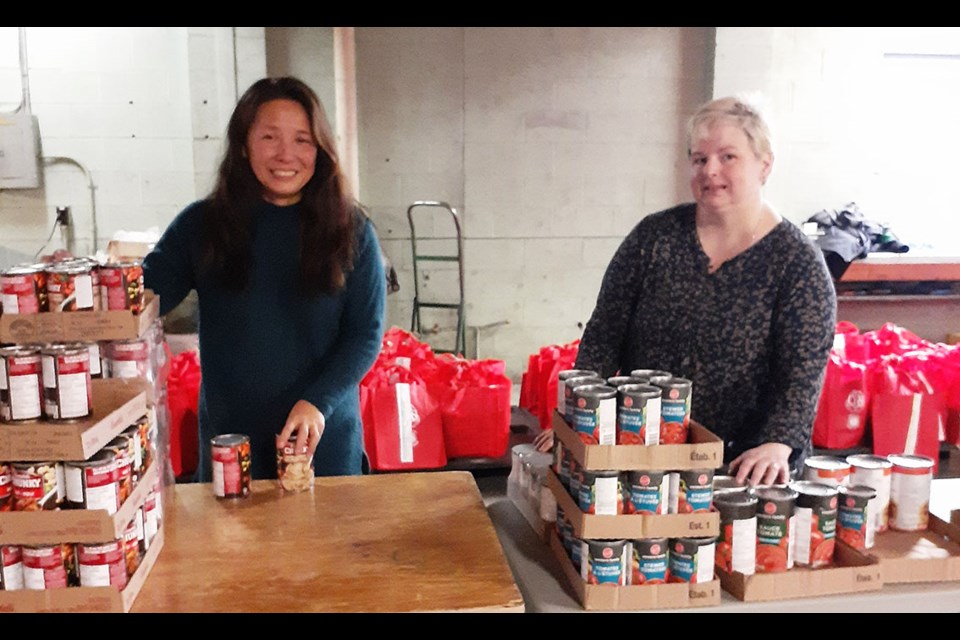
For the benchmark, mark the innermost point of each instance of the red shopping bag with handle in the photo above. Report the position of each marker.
(476, 410)
(907, 411)
(843, 409)
(183, 397)
(402, 425)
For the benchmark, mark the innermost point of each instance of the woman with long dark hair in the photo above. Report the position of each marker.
(290, 286)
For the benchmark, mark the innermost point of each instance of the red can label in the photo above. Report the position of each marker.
(231, 465)
(11, 568)
(102, 564)
(67, 387)
(37, 486)
(21, 394)
(129, 358)
(21, 293)
(70, 288)
(121, 286)
(50, 566)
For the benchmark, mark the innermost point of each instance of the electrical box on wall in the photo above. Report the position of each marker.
(19, 151)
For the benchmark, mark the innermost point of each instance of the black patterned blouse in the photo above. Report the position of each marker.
(754, 336)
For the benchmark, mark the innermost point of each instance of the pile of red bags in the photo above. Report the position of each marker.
(420, 409)
(891, 390)
(538, 387)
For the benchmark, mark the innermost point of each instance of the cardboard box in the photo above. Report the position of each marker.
(594, 597)
(704, 451)
(75, 525)
(79, 326)
(521, 500)
(84, 599)
(631, 526)
(128, 249)
(117, 403)
(932, 555)
(852, 572)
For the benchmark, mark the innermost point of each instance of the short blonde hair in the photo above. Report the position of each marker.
(735, 110)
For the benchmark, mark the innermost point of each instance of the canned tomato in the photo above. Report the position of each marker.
(604, 561)
(675, 398)
(737, 542)
(231, 465)
(691, 491)
(874, 471)
(816, 523)
(37, 486)
(102, 564)
(853, 523)
(11, 567)
(570, 400)
(562, 377)
(649, 561)
(24, 289)
(21, 384)
(6, 487)
(294, 469)
(828, 469)
(129, 358)
(121, 286)
(775, 525)
(70, 286)
(67, 387)
(601, 492)
(93, 483)
(692, 559)
(910, 492)
(646, 492)
(638, 414)
(595, 413)
(49, 566)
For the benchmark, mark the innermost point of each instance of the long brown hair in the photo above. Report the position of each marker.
(328, 212)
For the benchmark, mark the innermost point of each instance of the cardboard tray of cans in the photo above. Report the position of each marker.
(930, 555)
(79, 326)
(76, 525)
(604, 527)
(117, 403)
(703, 451)
(84, 599)
(676, 595)
(852, 572)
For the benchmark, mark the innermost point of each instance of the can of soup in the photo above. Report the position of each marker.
(646, 492)
(121, 286)
(829, 469)
(21, 384)
(877, 472)
(11, 567)
(70, 286)
(601, 493)
(102, 564)
(692, 559)
(638, 414)
(562, 378)
(49, 566)
(595, 414)
(737, 542)
(691, 491)
(816, 523)
(6, 487)
(910, 492)
(294, 468)
(92, 483)
(67, 387)
(231, 465)
(570, 399)
(24, 289)
(37, 486)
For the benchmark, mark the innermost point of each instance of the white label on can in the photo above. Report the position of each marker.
(95, 364)
(12, 576)
(673, 491)
(561, 397)
(743, 556)
(24, 397)
(791, 542)
(94, 575)
(803, 517)
(125, 369)
(83, 290)
(652, 422)
(910, 501)
(33, 578)
(706, 556)
(11, 303)
(73, 395)
(405, 420)
(607, 418)
(606, 496)
(879, 480)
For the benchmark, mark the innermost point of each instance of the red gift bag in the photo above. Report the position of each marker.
(476, 411)
(907, 411)
(183, 397)
(553, 359)
(402, 423)
(842, 412)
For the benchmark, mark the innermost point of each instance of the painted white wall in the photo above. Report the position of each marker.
(550, 142)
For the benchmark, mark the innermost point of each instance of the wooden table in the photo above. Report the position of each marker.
(377, 543)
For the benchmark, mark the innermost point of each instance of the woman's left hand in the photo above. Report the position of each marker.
(306, 423)
(767, 464)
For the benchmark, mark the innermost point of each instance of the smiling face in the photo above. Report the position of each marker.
(282, 150)
(725, 171)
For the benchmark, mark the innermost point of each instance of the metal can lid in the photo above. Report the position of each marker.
(826, 462)
(229, 440)
(911, 461)
(869, 461)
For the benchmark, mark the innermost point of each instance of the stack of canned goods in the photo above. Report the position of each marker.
(76, 284)
(648, 407)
